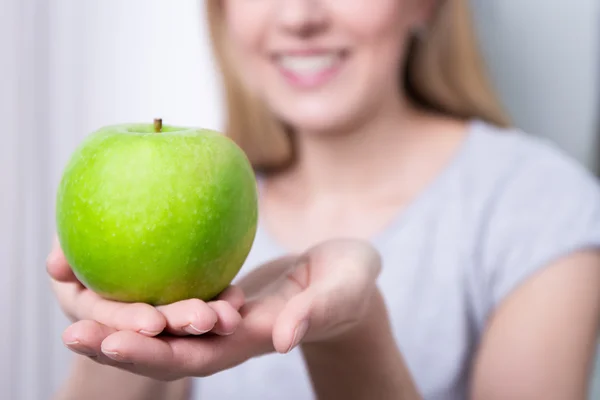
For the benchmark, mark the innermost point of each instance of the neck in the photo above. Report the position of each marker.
(347, 163)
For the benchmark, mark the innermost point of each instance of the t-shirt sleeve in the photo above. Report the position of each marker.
(547, 210)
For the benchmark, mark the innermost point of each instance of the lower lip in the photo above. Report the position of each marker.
(310, 81)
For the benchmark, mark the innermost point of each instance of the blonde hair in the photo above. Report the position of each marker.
(443, 72)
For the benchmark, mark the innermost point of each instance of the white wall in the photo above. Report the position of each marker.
(544, 56)
(67, 68)
(8, 193)
(25, 339)
(70, 66)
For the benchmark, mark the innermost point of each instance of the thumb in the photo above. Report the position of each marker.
(57, 266)
(293, 322)
(327, 311)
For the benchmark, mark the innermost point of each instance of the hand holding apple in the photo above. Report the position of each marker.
(95, 318)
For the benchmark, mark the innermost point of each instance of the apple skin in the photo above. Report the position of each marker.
(157, 217)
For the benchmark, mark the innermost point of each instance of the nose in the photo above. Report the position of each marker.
(301, 17)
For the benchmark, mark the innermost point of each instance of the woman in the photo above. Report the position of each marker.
(471, 266)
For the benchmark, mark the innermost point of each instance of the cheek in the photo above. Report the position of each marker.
(378, 27)
(380, 30)
(245, 23)
(371, 17)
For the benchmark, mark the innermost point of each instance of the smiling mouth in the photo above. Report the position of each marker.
(310, 68)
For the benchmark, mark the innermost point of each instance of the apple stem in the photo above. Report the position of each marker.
(157, 125)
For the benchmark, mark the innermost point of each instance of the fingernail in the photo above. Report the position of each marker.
(225, 333)
(114, 355)
(148, 332)
(76, 347)
(192, 330)
(299, 333)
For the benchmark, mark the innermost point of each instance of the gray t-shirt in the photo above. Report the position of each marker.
(508, 205)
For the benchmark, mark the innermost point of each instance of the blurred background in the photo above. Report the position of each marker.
(68, 67)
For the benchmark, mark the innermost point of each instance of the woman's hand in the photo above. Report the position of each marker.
(315, 297)
(95, 318)
(318, 296)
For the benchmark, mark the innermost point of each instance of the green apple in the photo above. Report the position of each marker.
(155, 214)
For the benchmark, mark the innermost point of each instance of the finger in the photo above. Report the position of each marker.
(253, 283)
(293, 323)
(357, 259)
(324, 310)
(138, 317)
(193, 317)
(172, 357)
(228, 318)
(67, 294)
(85, 338)
(233, 295)
(147, 356)
(57, 266)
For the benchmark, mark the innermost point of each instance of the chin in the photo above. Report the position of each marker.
(319, 125)
(317, 120)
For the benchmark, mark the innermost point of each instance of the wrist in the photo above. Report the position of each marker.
(364, 362)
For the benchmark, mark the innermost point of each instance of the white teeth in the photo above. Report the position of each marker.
(309, 64)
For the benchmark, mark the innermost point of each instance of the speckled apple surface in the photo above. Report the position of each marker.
(157, 217)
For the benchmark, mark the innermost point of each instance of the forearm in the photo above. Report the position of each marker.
(365, 364)
(92, 381)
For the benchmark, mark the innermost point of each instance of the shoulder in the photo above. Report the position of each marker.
(540, 205)
(519, 169)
